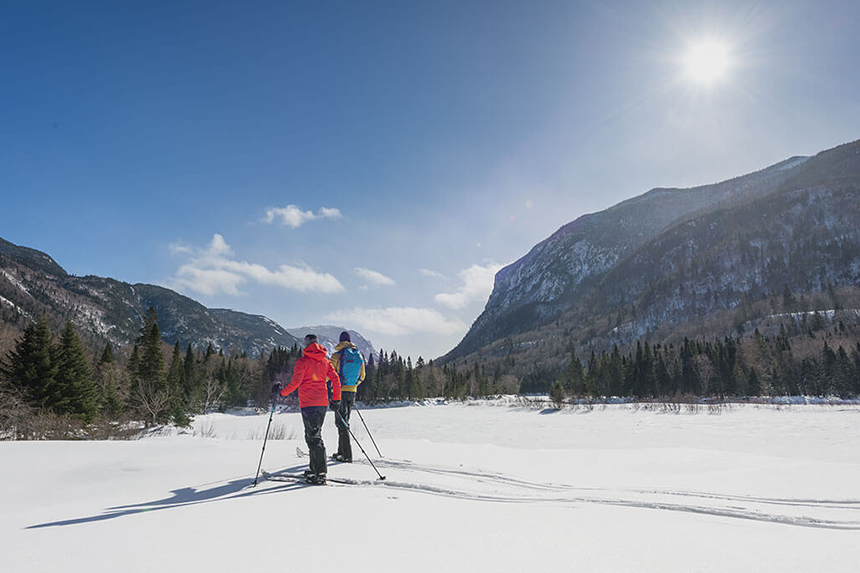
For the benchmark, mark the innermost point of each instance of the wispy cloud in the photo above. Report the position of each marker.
(427, 273)
(477, 284)
(214, 270)
(398, 321)
(293, 216)
(374, 278)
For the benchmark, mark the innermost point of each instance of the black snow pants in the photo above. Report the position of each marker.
(344, 447)
(313, 418)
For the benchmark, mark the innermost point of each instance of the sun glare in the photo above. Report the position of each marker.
(707, 62)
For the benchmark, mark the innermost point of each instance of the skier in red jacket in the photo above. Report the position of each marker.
(310, 374)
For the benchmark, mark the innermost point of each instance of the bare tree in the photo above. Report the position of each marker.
(705, 372)
(153, 401)
(213, 392)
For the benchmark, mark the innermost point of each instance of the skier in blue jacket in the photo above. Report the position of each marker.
(349, 365)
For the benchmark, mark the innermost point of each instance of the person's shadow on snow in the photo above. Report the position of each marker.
(185, 496)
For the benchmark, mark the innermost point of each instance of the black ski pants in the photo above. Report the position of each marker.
(347, 403)
(313, 418)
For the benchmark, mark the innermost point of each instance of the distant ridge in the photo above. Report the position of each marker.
(104, 310)
(330, 335)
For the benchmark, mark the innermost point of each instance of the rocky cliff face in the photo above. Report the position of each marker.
(671, 254)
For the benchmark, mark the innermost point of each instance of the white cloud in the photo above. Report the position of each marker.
(398, 321)
(177, 249)
(374, 278)
(294, 217)
(477, 286)
(427, 273)
(208, 281)
(214, 270)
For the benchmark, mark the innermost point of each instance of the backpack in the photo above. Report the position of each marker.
(350, 366)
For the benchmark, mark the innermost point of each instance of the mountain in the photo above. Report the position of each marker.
(107, 310)
(329, 336)
(678, 256)
(32, 258)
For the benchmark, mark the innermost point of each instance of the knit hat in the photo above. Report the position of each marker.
(310, 339)
(344, 337)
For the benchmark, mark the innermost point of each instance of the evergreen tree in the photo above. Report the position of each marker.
(78, 393)
(575, 375)
(134, 361)
(151, 368)
(175, 383)
(844, 373)
(827, 372)
(150, 394)
(107, 355)
(31, 366)
(107, 373)
(189, 376)
(855, 354)
(753, 384)
(367, 388)
(557, 394)
(176, 372)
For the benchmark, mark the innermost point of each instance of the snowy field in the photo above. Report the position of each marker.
(470, 487)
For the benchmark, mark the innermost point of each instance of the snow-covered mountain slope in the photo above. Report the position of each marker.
(106, 310)
(746, 488)
(584, 259)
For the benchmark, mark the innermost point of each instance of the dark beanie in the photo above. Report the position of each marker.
(310, 339)
(344, 337)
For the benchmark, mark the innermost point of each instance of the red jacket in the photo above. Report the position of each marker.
(310, 375)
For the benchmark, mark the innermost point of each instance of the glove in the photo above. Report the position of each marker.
(334, 405)
(276, 391)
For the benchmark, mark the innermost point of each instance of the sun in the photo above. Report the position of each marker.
(707, 62)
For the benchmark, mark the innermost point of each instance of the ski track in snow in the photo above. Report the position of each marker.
(818, 513)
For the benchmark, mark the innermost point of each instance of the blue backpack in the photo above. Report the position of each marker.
(350, 366)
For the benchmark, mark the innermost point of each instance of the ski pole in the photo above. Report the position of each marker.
(260, 465)
(368, 430)
(342, 421)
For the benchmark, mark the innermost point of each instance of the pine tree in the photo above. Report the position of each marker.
(190, 378)
(107, 355)
(79, 395)
(151, 366)
(175, 374)
(31, 367)
(844, 373)
(176, 371)
(107, 373)
(575, 375)
(134, 361)
(150, 394)
(753, 386)
(557, 394)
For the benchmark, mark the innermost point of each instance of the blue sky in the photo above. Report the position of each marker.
(372, 164)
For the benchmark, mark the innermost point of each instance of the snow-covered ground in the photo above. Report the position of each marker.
(470, 487)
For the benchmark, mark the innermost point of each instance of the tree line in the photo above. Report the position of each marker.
(58, 387)
(43, 378)
(731, 367)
